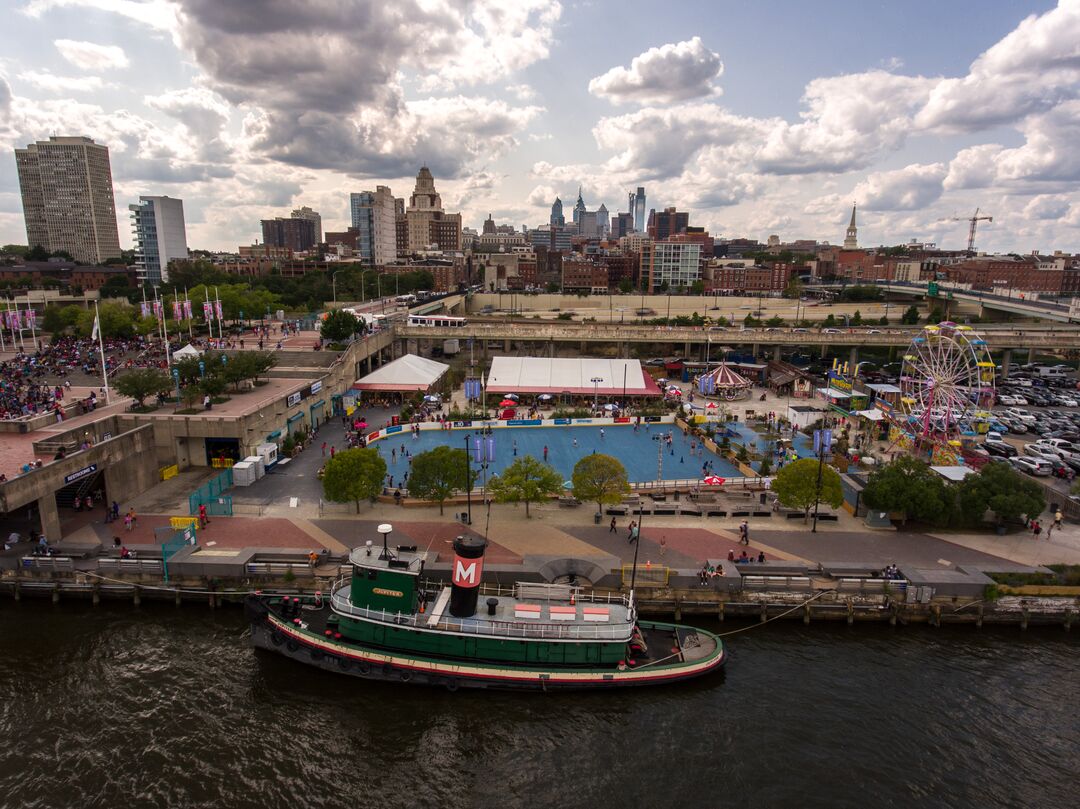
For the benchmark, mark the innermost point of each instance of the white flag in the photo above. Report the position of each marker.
(94, 333)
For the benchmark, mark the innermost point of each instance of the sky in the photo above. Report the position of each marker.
(759, 118)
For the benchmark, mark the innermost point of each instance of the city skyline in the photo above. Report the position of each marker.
(243, 115)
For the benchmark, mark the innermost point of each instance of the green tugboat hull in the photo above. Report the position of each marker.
(676, 653)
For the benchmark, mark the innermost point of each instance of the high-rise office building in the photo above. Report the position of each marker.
(306, 213)
(67, 197)
(637, 209)
(157, 225)
(425, 223)
(557, 217)
(297, 235)
(603, 221)
(374, 215)
(579, 208)
(667, 223)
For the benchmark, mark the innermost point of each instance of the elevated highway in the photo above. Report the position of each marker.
(1015, 304)
(998, 337)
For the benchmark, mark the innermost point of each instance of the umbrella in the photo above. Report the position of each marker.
(674, 392)
(713, 480)
(507, 403)
(711, 406)
(436, 399)
(568, 484)
(611, 407)
(545, 397)
(513, 396)
(363, 425)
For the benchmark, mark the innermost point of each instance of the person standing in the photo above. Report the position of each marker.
(1058, 517)
(324, 449)
(331, 453)
(1036, 529)
(613, 526)
(744, 533)
(545, 453)
(203, 519)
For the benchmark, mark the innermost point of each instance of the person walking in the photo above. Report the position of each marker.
(545, 453)
(1058, 517)
(744, 533)
(331, 453)
(613, 526)
(203, 519)
(324, 449)
(1036, 529)
(630, 531)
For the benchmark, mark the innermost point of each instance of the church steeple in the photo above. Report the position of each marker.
(851, 239)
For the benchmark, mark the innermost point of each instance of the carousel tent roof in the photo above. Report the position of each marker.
(555, 375)
(403, 374)
(725, 377)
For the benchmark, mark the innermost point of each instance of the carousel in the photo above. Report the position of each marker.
(724, 383)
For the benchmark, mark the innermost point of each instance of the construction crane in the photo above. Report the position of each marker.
(974, 220)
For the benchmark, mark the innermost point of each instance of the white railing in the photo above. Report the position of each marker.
(502, 629)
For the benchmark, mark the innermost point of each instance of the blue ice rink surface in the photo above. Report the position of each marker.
(636, 449)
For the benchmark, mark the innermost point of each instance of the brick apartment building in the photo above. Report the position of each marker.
(584, 276)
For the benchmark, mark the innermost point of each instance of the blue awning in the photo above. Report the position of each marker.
(320, 403)
(274, 435)
(291, 419)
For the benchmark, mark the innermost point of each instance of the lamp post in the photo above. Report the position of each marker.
(596, 380)
(333, 283)
(468, 480)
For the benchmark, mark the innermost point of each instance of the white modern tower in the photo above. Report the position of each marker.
(157, 226)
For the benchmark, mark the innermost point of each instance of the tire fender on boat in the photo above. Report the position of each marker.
(317, 654)
(344, 663)
(405, 675)
(276, 638)
(363, 667)
(387, 669)
(292, 645)
(452, 684)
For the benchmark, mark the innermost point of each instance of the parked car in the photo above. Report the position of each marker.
(1007, 399)
(1001, 449)
(1038, 467)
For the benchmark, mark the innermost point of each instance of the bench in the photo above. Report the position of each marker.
(130, 565)
(617, 510)
(569, 502)
(794, 515)
(76, 551)
(280, 569)
(48, 563)
(715, 512)
(740, 512)
(763, 514)
(666, 509)
(827, 517)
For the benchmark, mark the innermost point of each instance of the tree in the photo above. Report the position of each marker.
(437, 474)
(796, 485)
(794, 288)
(354, 475)
(910, 316)
(213, 385)
(909, 486)
(999, 488)
(525, 480)
(339, 326)
(697, 288)
(765, 469)
(117, 287)
(116, 319)
(600, 479)
(142, 382)
(829, 322)
(856, 318)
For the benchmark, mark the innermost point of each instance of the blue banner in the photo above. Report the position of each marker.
(531, 422)
(389, 430)
(563, 421)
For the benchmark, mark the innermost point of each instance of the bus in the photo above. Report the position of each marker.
(405, 300)
(437, 321)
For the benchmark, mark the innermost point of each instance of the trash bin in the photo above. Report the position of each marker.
(464, 518)
(763, 498)
(597, 517)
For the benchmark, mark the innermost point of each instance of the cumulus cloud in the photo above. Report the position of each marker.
(910, 188)
(1047, 206)
(156, 14)
(670, 73)
(541, 196)
(91, 56)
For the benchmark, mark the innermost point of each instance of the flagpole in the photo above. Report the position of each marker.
(31, 318)
(101, 348)
(218, 312)
(187, 303)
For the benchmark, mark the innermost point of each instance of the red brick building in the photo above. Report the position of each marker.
(748, 279)
(584, 275)
(1011, 273)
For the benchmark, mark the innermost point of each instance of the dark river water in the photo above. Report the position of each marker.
(118, 707)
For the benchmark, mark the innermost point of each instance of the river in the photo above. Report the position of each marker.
(158, 707)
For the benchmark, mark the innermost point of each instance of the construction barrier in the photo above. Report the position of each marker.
(222, 463)
(170, 472)
(647, 574)
(180, 523)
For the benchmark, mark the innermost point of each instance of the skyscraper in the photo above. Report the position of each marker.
(425, 222)
(603, 221)
(557, 217)
(579, 208)
(638, 209)
(297, 235)
(306, 213)
(157, 224)
(67, 197)
(374, 217)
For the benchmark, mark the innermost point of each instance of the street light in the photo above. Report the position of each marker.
(333, 283)
(596, 380)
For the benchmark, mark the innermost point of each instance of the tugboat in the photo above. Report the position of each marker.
(384, 622)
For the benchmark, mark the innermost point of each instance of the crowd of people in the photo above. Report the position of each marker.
(38, 382)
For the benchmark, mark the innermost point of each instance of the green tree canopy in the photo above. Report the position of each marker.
(910, 316)
(354, 475)
(142, 382)
(909, 486)
(796, 485)
(600, 479)
(794, 288)
(436, 474)
(339, 326)
(525, 480)
(999, 488)
(626, 285)
(117, 320)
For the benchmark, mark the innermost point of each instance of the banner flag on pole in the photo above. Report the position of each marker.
(94, 332)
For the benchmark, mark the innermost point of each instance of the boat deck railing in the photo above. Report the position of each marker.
(472, 626)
